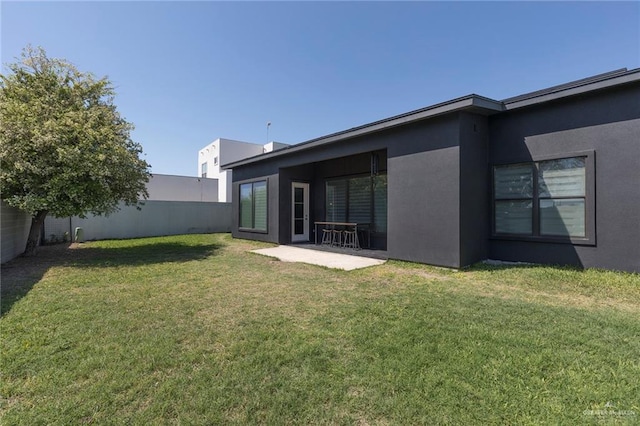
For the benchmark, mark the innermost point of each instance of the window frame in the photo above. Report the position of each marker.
(253, 206)
(589, 201)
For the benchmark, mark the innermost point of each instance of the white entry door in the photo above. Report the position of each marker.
(299, 212)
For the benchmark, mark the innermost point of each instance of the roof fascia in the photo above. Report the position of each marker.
(629, 77)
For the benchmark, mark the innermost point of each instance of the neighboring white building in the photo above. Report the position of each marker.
(182, 188)
(223, 151)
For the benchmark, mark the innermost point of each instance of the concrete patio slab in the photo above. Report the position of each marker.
(321, 258)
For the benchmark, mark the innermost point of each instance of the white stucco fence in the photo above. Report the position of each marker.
(156, 218)
(14, 231)
(176, 205)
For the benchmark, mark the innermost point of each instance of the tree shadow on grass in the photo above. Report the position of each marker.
(151, 253)
(20, 275)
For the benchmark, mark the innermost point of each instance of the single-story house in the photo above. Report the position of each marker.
(550, 177)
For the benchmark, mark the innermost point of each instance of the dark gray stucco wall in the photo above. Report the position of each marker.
(606, 122)
(273, 223)
(423, 193)
(508, 130)
(423, 204)
(475, 188)
(439, 180)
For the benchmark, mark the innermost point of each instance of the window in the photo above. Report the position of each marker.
(203, 170)
(336, 200)
(215, 161)
(253, 206)
(513, 192)
(544, 199)
(562, 193)
(360, 199)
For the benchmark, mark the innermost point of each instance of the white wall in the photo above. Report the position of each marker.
(224, 185)
(274, 146)
(155, 218)
(13, 232)
(55, 227)
(182, 188)
(176, 205)
(231, 150)
(224, 151)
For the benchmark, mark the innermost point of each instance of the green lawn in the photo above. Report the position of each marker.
(196, 330)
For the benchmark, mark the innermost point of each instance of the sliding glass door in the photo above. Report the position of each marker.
(359, 199)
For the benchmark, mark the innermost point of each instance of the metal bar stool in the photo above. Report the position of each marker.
(327, 236)
(337, 238)
(351, 240)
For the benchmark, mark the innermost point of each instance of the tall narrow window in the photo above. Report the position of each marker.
(203, 170)
(336, 200)
(513, 193)
(253, 206)
(246, 205)
(260, 205)
(359, 201)
(562, 191)
(380, 203)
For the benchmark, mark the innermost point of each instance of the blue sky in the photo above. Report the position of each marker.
(187, 73)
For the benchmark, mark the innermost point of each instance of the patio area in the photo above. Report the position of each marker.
(363, 252)
(335, 258)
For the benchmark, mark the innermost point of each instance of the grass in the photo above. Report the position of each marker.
(196, 330)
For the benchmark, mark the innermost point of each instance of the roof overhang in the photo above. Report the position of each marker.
(472, 103)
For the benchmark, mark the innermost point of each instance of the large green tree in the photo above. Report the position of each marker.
(64, 148)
